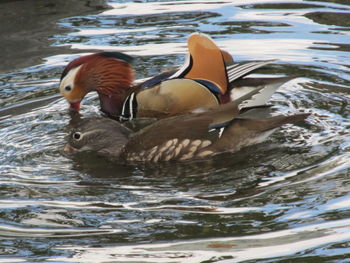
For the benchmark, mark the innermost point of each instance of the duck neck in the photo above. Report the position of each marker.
(111, 104)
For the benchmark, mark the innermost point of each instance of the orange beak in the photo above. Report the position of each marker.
(75, 106)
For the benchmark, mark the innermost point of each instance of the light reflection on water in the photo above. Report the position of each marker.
(280, 243)
(286, 199)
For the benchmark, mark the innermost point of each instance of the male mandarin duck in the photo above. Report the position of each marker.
(205, 80)
(224, 128)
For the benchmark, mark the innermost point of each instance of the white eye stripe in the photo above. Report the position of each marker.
(77, 136)
(67, 83)
(81, 135)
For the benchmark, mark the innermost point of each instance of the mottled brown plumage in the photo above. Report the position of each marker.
(179, 138)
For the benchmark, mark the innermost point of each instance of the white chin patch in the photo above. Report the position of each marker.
(85, 148)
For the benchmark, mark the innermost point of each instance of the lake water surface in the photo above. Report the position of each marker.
(286, 200)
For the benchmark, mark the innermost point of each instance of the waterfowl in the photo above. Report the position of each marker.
(206, 79)
(178, 138)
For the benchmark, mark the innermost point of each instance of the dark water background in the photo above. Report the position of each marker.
(286, 200)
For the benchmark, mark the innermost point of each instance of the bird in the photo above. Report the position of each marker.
(208, 78)
(223, 128)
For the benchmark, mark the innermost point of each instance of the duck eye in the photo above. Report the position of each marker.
(77, 136)
(68, 88)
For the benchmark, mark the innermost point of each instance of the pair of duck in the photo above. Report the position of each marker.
(205, 107)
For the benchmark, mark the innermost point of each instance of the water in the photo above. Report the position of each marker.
(286, 200)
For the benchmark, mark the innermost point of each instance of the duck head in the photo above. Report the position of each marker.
(101, 135)
(108, 73)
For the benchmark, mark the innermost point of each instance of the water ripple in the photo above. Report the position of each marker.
(283, 200)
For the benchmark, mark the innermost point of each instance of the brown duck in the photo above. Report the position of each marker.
(190, 136)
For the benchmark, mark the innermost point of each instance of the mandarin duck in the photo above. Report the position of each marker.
(207, 79)
(224, 128)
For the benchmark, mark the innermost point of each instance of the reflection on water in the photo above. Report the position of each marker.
(285, 200)
(280, 243)
(35, 21)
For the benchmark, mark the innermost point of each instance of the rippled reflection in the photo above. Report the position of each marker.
(284, 200)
